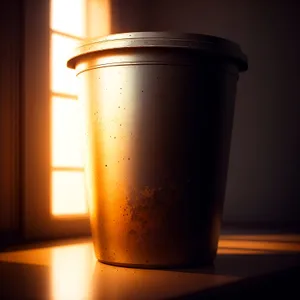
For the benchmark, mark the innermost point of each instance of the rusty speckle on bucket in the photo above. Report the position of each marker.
(149, 209)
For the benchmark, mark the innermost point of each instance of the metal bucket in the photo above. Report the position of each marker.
(159, 110)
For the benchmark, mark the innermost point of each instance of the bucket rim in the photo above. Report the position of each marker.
(162, 39)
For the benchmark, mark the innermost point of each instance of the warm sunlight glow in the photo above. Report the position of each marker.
(67, 133)
(71, 21)
(68, 193)
(63, 79)
(259, 245)
(68, 27)
(72, 270)
(69, 16)
(99, 18)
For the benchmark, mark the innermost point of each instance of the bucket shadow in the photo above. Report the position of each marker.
(234, 276)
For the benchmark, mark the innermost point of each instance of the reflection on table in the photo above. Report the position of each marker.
(74, 273)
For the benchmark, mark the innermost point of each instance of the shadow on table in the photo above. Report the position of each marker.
(248, 265)
(282, 284)
(24, 281)
(263, 275)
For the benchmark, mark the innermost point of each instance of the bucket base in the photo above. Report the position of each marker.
(198, 264)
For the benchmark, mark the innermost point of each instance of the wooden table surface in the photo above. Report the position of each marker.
(246, 266)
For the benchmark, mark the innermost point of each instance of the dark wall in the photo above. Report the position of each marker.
(132, 15)
(264, 172)
(10, 54)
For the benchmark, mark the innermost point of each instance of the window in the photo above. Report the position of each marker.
(67, 186)
(53, 172)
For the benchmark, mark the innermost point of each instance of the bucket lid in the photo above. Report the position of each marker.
(204, 43)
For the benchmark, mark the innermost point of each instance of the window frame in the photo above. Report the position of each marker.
(36, 174)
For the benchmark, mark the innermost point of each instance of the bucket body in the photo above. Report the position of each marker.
(159, 119)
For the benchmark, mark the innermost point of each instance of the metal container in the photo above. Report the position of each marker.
(159, 109)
